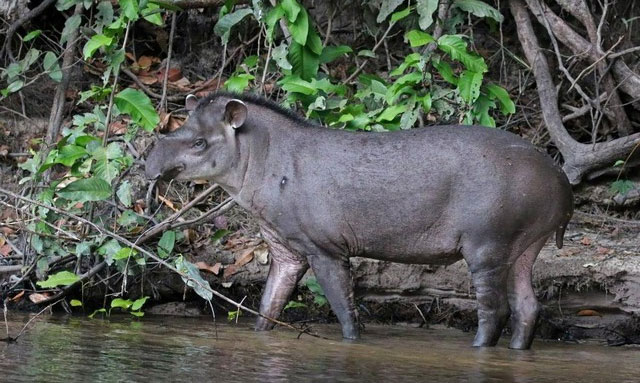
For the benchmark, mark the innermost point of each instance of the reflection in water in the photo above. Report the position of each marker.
(181, 349)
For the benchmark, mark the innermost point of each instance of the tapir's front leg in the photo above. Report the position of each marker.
(334, 276)
(284, 273)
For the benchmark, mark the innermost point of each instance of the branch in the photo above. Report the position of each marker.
(579, 158)
(147, 253)
(14, 27)
(57, 108)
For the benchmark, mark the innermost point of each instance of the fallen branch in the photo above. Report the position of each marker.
(147, 253)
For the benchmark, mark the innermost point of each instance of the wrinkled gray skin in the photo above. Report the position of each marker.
(429, 196)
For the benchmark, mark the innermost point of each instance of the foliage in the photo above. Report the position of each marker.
(438, 78)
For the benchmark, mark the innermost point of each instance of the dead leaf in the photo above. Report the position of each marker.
(261, 254)
(4, 150)
(215, 269)
(182, 85)
(130, 56)
(6, 230)
(190, 235)
(586, 241)
(604, 250)
(167, 202)
(241, 260)
(147, 79)
(38, 297)
(144, 62)
(139, 206)
(5, 250)
(174, 74)
(118, 128)
(589, 313)
(164, 122)
(175, 123)
(18, 296)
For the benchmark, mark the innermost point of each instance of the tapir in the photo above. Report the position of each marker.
(431, 195)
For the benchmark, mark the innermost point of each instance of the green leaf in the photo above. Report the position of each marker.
(295, 84)
(232, 315)
(280, 56)
(124, 193)
(386, 8)
(618, 163)
(104, 166)
(479, 8)
(226, 22)
(102, 311)
(125, 253)
(397, 16)
(138, 314)
(63, 278)
(300, 28)
(121, 303)
(456, 48)
(166, 243)
(418, 38)
(497, 92)
(86, 189)
(272, 18)
(137, 105)
(68, 154)
(445, 71)
(138, 303)
(367, 53)
(15, 86)
(218, 235)
(63, 5)
(152, 14)
(128, 218)
(469, 85)
(195, 281)
(32, 35)
(622, 186)
(291, 9)
(425, 9)
(294, 305)
(391, 112)
(239, 82)
(481, 110)
(129, 8)
(331, 53)
(70, 25)
(95, 42)
(313, 41)
(305, 63)
(51, 65)
(426, 102)
(75, 303)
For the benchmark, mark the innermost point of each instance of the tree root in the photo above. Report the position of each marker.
(579, 158)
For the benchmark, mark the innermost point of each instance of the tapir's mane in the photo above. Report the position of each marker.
(254, 99)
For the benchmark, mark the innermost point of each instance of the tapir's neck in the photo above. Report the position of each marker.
(252, 150)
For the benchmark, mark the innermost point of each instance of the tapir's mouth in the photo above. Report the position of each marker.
(172, 173)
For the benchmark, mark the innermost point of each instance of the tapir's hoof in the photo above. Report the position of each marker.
(517, 344)
(264, 325)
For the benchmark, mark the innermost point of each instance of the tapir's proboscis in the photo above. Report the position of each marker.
(429, 195)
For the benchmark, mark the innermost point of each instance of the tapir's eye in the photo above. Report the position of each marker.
(200, 143)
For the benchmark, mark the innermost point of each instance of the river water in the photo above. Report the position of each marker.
(122, 349)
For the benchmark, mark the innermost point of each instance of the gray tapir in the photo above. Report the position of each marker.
(432, 195)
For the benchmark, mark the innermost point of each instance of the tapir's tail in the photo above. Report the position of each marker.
(561, 229)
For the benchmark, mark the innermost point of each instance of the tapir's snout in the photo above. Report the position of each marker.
(160, 164)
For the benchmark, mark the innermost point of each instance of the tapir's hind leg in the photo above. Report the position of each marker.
(489, 275)
(284, 273)
(334, 276)
(522, 298)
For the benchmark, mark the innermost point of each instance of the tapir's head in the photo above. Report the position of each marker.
(205, 147)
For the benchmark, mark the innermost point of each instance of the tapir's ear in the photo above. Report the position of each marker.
(235, 113)
(191, 102)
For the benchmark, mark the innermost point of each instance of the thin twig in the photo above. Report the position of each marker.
(375, 47)
(153, 256)
(113, 90)
(16, 25)
(163, 99)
